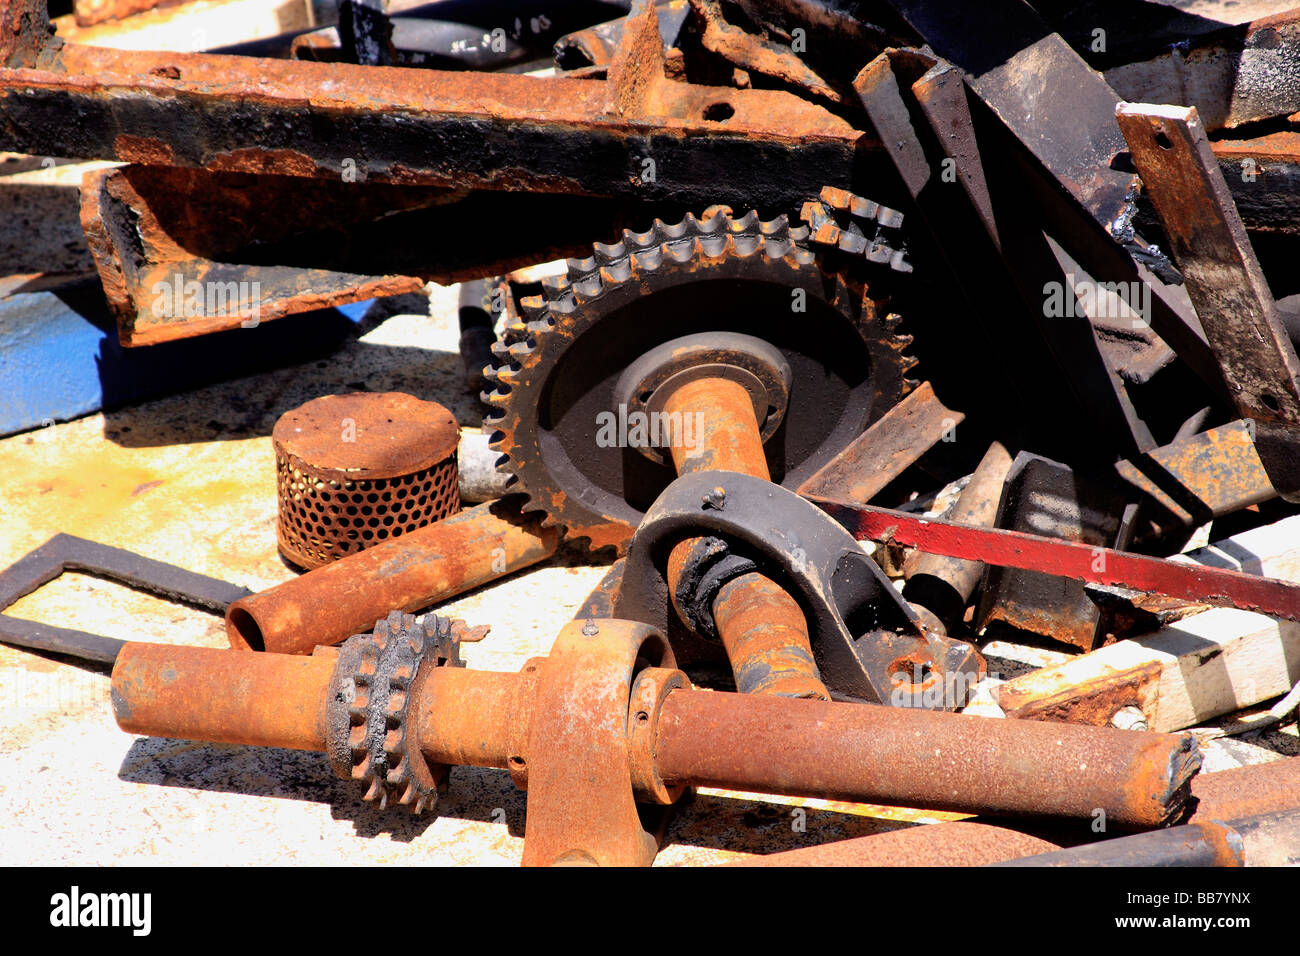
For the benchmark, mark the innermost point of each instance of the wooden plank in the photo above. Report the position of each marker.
(1204, 666)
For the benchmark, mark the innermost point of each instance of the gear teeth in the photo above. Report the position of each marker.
(648, 259)
(616, 272)
(606, 254)
(853, 241)
(383, 666)
(681, 250)
(589, 286)
(565, 302)
(775, 229)
(533, 306)
(710, 226)
(521, 365)
(717, 245)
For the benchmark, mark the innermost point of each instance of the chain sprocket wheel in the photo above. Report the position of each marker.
(557, 367)
(377, 674)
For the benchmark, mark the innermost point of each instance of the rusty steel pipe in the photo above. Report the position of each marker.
(1256, 790)
(203, 693)
(929, 844)
(727, 437)
(750, 742)
(1197, 844)
(942, 585)
(477, 718)
(766, 636)
(762, 627)
(922, 759)
(429, 565)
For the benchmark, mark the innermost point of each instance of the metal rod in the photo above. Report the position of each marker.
(934, 844)
(762, 627)
(913, 758)
(944, 585)
(1198, 844)
(203, 693)
(750, 742)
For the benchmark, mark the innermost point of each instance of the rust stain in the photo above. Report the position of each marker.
(1051, 694)
(143, 149)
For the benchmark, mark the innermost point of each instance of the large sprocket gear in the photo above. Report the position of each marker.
(556, 368)
(372, 739)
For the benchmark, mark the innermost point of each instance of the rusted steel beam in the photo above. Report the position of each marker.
(685, 143)
(331, 603)
(1233, 76)
(934, 844)
(889, 446)
(1224, 279)
(1197, 844)
(160, 291)
(739, 741)
(762, 627)
(1263, 175)
(1080, 562)
(306, 243)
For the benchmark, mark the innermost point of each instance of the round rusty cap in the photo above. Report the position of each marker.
(356, 470)
(368, 434)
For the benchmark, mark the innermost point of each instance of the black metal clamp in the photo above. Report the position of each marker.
(868, 642)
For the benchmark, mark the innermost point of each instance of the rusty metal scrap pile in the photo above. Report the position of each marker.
(891, 328)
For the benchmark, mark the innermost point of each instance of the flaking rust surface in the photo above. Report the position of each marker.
(190, 480)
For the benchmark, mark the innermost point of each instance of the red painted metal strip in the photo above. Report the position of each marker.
(1096, 565)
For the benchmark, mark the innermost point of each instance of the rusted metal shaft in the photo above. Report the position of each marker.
(944, 585)
(933, 844)
(914, 758)
(203, 693)
(762, 627)
(737, 741)
(1265, 788)
(331, 603)
(1198, 844)
(727, 438)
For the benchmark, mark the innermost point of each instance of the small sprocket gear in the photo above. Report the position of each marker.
(372, 739)
(557, 368)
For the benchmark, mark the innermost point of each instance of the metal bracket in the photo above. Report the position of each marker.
(65, 552)
(582, 809)
(864, 635)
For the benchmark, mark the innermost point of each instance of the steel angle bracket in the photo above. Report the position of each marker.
(868, 642)
(65, 552)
